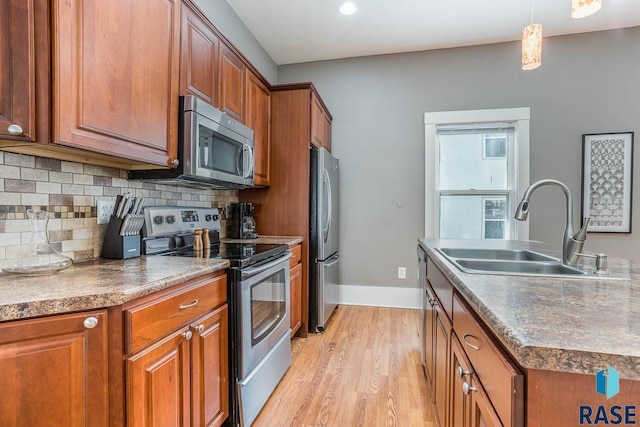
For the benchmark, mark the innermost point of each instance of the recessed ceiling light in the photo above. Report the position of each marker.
(348, 8)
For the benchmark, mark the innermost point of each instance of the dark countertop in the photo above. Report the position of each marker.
(97, 284)
(572, 325)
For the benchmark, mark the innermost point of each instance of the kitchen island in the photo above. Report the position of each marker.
(559, 332)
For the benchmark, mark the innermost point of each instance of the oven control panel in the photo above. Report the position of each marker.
(171, 220)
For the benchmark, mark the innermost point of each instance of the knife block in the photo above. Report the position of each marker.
(116, 246)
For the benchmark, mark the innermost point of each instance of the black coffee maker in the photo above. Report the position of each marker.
(242, 225)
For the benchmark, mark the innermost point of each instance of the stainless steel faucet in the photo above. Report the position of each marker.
(572, 242)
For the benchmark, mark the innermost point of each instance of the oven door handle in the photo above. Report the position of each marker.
(252, 271)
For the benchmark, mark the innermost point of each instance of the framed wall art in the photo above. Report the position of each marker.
(607, 179)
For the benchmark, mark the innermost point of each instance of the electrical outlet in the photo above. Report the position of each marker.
(104, 209)
(402, 273)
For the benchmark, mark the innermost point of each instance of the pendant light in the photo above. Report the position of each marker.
(583, 8)
(532, 44)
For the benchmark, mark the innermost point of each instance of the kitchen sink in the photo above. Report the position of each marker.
(532, 268)
(501, 254)
(519, 262)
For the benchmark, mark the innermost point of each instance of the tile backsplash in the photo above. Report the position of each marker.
(68, 191)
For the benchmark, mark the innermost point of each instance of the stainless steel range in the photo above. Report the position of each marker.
(257, 294)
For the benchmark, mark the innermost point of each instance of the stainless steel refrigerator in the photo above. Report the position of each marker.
(324, 238)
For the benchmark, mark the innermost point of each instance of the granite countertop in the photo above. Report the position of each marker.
(572, 325)
(97, 284)
(104, 283)
(276, 240)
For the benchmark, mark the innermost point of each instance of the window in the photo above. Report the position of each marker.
(476, 163)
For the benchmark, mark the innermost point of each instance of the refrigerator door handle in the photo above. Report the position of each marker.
(329, 205)
(331, 261)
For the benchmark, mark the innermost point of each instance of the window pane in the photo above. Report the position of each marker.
(495, 208)
(474, 217)
(460, 217)
(495, 146)
(494, 229)
(464, 164)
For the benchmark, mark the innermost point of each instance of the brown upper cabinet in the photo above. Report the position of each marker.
(199, 57)
(258, 118)
(232, 83)
(320, 124)
(24, 61)
(115, 80)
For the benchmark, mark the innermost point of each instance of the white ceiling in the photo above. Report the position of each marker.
(294, 31)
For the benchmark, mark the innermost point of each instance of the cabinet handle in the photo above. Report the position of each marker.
(194, 303)
(188, 335)
(90, 322)
(466, 388)
(14, 129)
(175, 162)
(461, 372)
(200, 329)
(464, 340)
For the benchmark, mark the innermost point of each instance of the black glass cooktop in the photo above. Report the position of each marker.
(239, 254)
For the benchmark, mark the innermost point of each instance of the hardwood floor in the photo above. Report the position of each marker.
(364, 370)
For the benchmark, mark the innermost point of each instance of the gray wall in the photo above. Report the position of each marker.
(587, 84)
(222, 15)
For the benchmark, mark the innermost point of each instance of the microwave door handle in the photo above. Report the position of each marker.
(249, 169)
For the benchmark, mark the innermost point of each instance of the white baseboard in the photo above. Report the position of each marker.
(380, 296)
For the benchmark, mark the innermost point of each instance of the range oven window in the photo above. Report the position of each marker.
(268, 305)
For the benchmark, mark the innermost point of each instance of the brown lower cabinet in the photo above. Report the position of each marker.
(177, 366)
(180, 380)
(473, 382)
(54, 371)
(295, 274)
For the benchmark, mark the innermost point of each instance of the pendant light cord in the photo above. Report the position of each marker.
(533, 5)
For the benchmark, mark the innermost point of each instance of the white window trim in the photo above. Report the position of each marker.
(435, 119)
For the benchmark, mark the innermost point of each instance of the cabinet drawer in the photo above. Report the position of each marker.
(296, 255)
(151, 319)
(441, 286)
(502, 380)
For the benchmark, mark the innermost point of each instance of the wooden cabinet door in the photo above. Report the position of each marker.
(441, 365)
(199, 58)
(25, 67)
(210, 369)
(429, 335)
(157, 383)
(258, 118)
(327, 132)
(232, 83)
(317, 122)
(296, 298)
(116, 71)
(460, 415)
(482, 412)
(54, 371)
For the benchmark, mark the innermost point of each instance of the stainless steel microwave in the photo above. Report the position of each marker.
(214, 150)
